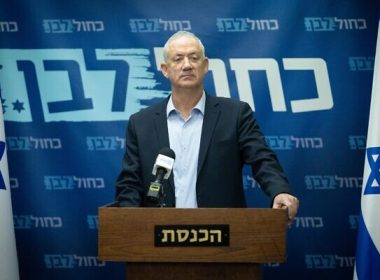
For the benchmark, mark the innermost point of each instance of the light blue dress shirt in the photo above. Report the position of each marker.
(184, 139)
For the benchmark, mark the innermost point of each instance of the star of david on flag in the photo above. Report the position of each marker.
(373, 182)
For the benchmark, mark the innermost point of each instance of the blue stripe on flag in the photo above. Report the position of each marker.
(367, 256)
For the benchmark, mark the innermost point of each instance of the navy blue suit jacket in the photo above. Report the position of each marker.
(230, 138)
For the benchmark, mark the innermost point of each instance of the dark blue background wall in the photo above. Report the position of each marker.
(72, 72)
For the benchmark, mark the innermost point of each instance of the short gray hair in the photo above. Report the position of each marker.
(180, 34)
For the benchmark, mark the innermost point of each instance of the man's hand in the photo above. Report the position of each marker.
(289, 202)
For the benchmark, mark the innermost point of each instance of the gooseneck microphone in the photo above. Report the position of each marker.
(162, 169)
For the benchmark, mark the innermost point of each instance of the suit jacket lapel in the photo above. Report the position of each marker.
(210, 120)
(161, 126)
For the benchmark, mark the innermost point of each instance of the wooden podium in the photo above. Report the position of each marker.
(203, 243)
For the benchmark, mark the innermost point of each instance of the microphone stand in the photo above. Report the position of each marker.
(155, 196)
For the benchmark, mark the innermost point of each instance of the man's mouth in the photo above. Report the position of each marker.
(187, 76)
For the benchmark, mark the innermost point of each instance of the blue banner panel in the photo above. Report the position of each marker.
(72, 72)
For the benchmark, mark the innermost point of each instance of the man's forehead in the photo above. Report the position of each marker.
(184, 45)
(176, 52)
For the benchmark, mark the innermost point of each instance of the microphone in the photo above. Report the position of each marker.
(162, 168)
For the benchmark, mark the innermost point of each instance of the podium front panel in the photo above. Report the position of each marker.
(255, 235)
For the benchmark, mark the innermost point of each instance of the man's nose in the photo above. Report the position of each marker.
(186, 64)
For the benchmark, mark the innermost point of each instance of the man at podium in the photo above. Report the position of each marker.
(212, 138)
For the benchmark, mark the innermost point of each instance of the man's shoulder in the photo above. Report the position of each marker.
(158, 107)
(226, 101)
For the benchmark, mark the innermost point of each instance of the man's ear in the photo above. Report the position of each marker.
(206, 62)
(164, 69)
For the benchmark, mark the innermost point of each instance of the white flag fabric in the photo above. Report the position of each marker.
(367, 265)
(8, 254)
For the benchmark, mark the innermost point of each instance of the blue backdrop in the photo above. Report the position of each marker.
(72, 72)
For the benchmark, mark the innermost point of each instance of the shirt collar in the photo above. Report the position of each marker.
(200, 106)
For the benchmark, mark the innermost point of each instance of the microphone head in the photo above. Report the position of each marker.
(165, 161)
(167, 152)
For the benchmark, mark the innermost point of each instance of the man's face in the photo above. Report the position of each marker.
(185, 66)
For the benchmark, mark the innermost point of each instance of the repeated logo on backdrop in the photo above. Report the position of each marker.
(318, 24)
(72, 25)
(8, 26)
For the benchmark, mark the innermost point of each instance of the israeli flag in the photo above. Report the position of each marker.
(368, 244)
(8, 254)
